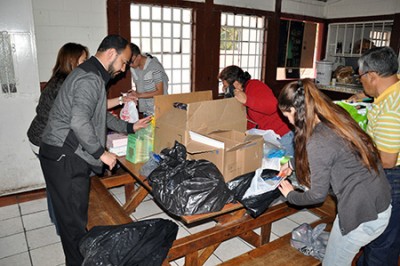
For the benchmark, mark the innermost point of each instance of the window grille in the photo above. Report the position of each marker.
(165, 32)
(242, 43)
(7, 72)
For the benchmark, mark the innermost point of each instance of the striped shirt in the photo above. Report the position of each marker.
(384, 121)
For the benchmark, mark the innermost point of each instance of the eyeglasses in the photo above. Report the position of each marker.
(365, 73)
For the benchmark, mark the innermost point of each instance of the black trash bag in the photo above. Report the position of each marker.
(257, 204)
(187, 187)
(138, 243)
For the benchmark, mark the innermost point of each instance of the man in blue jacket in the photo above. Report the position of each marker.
(73, 142)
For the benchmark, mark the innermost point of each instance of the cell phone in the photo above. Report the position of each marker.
(229, 93)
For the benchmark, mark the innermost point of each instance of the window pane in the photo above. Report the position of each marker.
(186, 16)
(156, 28)
(134, 12)
(176, 61)
(156, 48)
(145, 12)
(176, 46)
(167, 29)
(156, 12)
(186, 29)
(135, 29)
(177, 30)
(167, 13)
(167, 46)
(145, 29)
(186, 61)
(186, 47)
(177, 14)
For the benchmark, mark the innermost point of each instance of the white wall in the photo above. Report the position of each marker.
(60, 21)
(304, 7)
(361, 8)
(255, 4)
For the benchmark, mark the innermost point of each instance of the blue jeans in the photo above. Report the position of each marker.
(342, 249)
(385, 250)
(287, 143)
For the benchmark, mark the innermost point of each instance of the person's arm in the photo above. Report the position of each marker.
(111, 103)
(357, 96)
(389, 160)
(159, 90)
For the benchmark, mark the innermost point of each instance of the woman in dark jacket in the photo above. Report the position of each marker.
(69, 57)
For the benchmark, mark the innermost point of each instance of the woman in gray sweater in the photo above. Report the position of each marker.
(332, 151)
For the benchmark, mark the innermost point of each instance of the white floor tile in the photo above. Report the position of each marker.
(21, 259)
(10, 211)
(12, 245)
(212, 261)
(283, 226)
(36, 220)
(146, 209)
(33, 206)
(303, 216)
(48, 255)
(42, 237)
(11, 226)
(231, 248)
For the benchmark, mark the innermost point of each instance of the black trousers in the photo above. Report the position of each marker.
(67, 179)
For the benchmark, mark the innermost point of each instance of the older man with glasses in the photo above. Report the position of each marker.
(378, 69)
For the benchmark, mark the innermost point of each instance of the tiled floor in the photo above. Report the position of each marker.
(28, 238)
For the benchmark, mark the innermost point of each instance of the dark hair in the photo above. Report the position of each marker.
(382, 60)
(68, 57)
(309, 102)
(135, 49)
(113, 41)
(234, 73)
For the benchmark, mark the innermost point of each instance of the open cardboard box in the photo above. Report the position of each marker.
(202, 115)
(233, 152)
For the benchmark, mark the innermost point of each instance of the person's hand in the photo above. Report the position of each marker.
(239, 93)
(142, 123)
(286, 170)
(285, 187)
(133, 94)
(109, 159)
(240, 96)
(356, 97)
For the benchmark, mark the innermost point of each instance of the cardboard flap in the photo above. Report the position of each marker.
(163, 103)
(227, 114)
(200, 143)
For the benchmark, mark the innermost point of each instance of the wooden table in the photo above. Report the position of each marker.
(231, 221)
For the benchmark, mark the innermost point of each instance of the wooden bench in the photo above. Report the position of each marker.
(103, 208)
(279, 252)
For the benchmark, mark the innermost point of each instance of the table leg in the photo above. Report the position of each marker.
(135, 199)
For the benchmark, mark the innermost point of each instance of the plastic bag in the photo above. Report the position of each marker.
(129, 112)
(186, 187)
(358, 111)
(138, 243)
(255, 204)
(150, 165)
(141, 144)
(310, 242)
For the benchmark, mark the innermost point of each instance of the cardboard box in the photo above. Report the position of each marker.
(233, 152)
(202, 115)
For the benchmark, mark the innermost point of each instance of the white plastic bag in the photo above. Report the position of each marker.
(129, 112)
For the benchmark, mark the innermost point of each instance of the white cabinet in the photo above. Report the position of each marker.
(350, 40)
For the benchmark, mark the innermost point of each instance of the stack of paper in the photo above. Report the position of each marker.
(117, 143)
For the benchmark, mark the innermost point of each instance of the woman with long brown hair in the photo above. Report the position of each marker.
(333, 152)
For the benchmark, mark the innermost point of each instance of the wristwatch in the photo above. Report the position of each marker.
(120, 100)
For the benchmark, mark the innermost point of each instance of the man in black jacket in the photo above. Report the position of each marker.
(73, 142)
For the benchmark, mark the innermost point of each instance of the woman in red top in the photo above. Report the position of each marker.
(261, 103)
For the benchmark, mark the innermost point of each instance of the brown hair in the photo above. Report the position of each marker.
(309, 102)
(67, 58)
